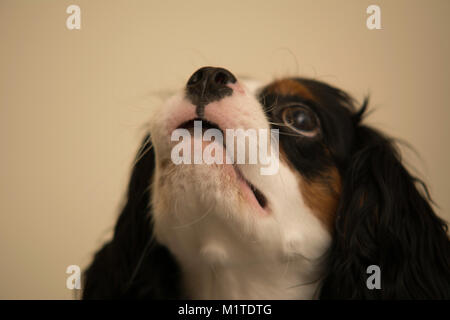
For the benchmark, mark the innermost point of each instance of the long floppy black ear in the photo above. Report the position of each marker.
(133, 264)
(383, 219)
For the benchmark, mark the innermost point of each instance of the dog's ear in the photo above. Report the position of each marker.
(384, 219)
(133, 264)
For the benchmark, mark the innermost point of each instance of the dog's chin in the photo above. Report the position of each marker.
(208, 214)
(194, 191)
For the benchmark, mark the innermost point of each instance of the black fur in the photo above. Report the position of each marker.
(133, 265)
(383, 219)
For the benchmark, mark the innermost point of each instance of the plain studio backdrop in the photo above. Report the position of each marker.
(73, 102)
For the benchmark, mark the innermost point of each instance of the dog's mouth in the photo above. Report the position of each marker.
(255, 194)
(189, 125)
(258, 195)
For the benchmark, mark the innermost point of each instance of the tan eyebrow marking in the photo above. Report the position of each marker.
(321, 195)
(289, 87)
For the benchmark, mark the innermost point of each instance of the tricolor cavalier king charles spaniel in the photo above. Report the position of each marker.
(340, 202)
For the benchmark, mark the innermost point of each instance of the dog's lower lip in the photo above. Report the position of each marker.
(259, 196)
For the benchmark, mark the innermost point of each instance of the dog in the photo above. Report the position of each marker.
(340, 203)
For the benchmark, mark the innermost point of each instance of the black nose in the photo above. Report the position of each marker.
(209, 84)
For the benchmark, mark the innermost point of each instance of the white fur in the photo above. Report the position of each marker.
(227, 249)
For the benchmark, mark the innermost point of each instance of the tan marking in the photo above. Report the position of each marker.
(321, 194)
(289, 87)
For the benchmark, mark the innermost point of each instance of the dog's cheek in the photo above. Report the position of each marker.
(321, 195)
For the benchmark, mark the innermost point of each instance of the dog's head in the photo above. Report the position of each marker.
(271, 191)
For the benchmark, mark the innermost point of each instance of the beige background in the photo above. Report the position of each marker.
(72, 103)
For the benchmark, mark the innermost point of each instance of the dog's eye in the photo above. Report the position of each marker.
(301, 119)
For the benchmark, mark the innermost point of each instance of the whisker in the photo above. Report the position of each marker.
(146, 249)
(273, 106)
(143, 151)
(279, 124)
(196, 220)
(291, 134)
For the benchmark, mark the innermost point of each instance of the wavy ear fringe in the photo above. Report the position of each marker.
(362, 112)
(384, 220)
(133, 264)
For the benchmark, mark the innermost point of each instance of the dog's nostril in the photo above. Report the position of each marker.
(209, 84)
(195, 78)
(210, 79)
(221, 78)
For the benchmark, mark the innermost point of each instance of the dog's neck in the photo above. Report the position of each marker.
(278, 281)
(236, 268)
(225, 251)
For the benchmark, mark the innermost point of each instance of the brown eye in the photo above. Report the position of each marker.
(301, 119)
